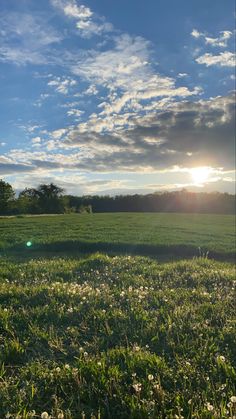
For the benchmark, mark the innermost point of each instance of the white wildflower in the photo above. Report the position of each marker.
(137, 387)
(209, 407)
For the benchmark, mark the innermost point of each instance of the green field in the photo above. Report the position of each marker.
(156, 234)
(89, 335)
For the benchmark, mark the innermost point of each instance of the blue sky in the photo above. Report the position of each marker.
(117, 97)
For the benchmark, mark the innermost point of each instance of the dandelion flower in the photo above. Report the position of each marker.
(137, 387)
(209, 407)
(233, 399)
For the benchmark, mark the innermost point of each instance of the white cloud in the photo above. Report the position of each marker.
(86, 22)
(75, 112)
(131, 81)
(62, 85)
(224, 59)
(36, 140)
(181, 75)
(58, 133)
(26, 38)
(220, 41)
(78, 12)
(196, 34)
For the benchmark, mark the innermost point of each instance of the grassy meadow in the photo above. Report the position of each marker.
(117, 316)
(140, 233)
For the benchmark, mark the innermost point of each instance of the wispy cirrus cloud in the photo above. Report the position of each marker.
(87, 23)
(26, 38)
(220, 41)
(127, 73)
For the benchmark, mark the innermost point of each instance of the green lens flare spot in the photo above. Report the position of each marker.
(29, 244)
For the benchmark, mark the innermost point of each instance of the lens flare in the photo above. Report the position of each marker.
(29, 244)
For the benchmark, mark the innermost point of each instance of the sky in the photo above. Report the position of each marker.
(110, 97)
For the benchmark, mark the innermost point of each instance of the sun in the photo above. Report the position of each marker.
(200, 175)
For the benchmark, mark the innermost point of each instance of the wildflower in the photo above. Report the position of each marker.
(209, 407)
(67, 367)
(233, 399)
(221, 358)
(58, 369)
(45, 415)
(150, 377)
(137, 387)
(99, 363)
(85, 353)
(136, 348)
(134, 374)
(60, 415)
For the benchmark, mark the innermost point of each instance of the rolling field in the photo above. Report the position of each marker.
(117, 336)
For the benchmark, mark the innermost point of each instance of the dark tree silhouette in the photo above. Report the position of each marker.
(6, 197)
(50, 198)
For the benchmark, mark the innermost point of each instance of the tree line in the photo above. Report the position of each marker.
(51, 199)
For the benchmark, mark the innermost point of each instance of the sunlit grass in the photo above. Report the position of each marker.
(117, 337)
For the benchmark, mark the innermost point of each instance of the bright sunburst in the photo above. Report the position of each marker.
(200, 175)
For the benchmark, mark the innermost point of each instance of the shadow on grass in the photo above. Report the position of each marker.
(76, 247)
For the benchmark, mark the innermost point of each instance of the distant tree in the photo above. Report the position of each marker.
(85, 209)
(6, 197)
(28, 201)
(50, 199)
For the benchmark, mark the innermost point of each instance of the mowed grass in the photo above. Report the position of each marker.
(117, 336)
(144, 234)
